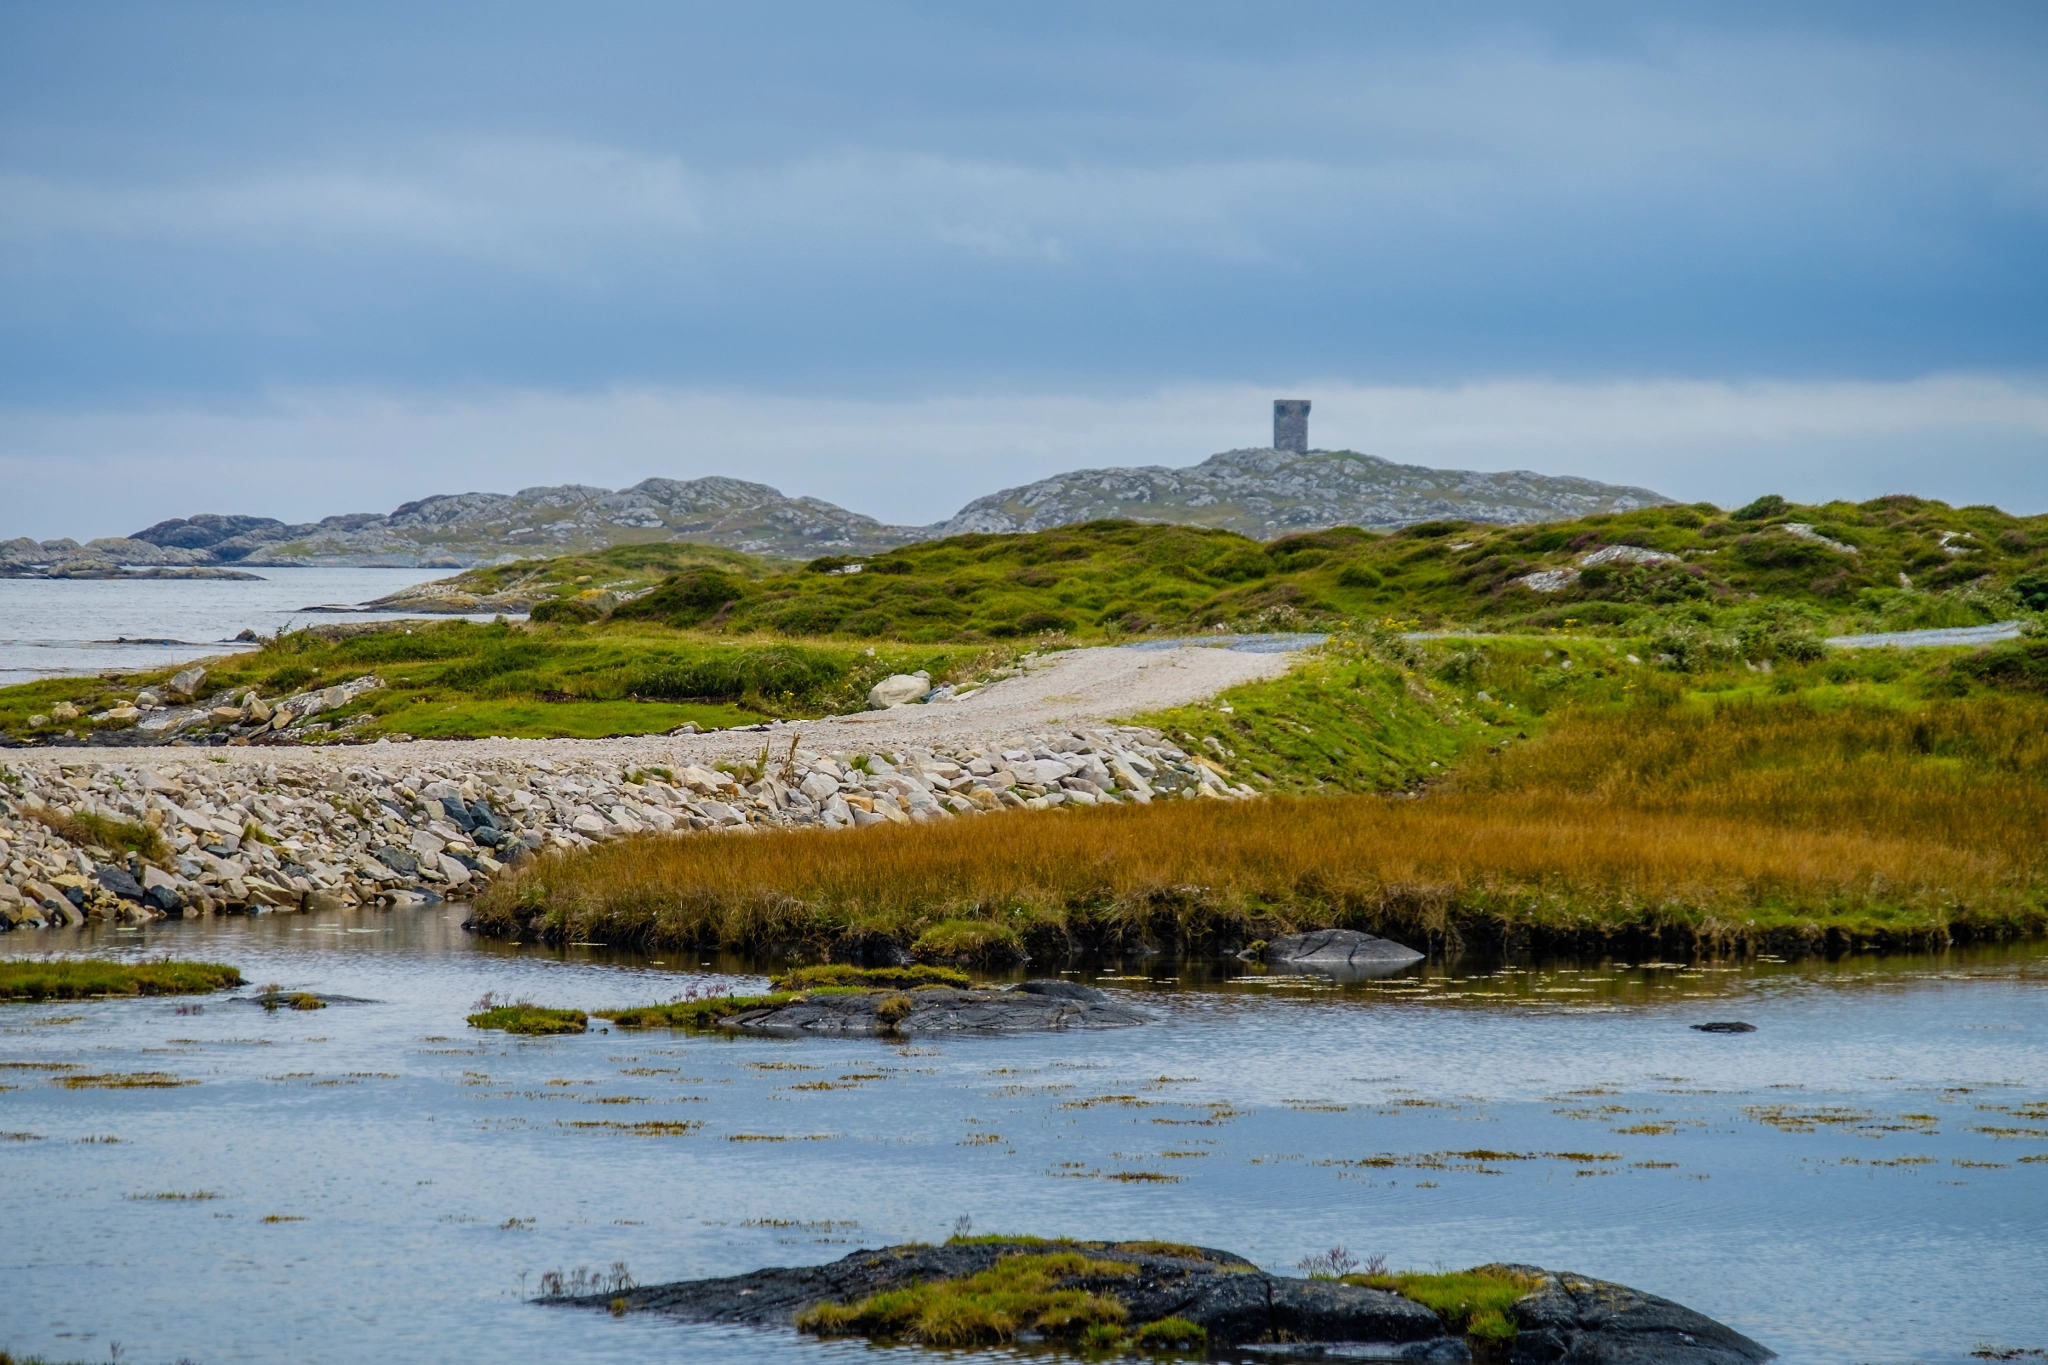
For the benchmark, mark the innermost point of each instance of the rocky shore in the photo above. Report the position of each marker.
(1228, 1302)
(98, 834)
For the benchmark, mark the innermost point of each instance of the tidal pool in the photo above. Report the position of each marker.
(1864, 1178)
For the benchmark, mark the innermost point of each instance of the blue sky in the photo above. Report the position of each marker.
(298, 260)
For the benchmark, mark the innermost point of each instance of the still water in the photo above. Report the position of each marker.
(65, 628)
(1861, 1179)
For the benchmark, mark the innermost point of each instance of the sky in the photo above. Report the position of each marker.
(297, 260)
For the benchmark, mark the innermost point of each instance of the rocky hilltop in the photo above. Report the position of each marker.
(1260, 493)
(460, 529)
(1264, 493)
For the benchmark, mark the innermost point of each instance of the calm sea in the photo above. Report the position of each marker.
(57, 628)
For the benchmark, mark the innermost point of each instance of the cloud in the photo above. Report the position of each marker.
(303, 454)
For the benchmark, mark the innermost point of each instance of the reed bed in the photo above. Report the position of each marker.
(1763, 824)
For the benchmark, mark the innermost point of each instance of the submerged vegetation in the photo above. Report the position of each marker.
(33, 978)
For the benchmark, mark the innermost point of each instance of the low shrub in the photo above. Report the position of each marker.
(88, 830)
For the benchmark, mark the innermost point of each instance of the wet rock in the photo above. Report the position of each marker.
(1340, 949)
(940, 1009)
(1573, 1320)
(1227, 1296)
(1726, 1026)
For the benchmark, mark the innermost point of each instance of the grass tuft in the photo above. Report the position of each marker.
(525, 1018)
(1025, 1292)
(844, 974)
(86, 978)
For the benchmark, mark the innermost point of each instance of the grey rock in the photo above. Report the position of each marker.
(1575, 1320)
(1224, 1294)
(1265, 493)
(1340, 950)
(899, 689)
(400, 860)
(118, 881)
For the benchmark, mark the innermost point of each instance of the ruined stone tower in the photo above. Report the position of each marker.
(1290, 425)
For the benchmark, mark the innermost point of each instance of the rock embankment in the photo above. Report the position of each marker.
(1563, 1319)
(85, 835)
(1030, 1007)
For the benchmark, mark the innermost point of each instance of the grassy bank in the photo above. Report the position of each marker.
(1749, 823)
(456, 678)
(82, 979)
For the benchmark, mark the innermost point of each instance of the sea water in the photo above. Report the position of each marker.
(1860, 1179)
(68, 627)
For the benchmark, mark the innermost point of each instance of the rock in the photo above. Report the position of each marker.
(118, 881)
(1573, 1320)
(899, 690)
(1058, 1005)
(1341, 950)
(185, 685)
(1726, 1026)
(64, 711)
(1225, 1295)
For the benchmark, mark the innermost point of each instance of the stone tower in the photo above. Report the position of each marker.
(1290, 425)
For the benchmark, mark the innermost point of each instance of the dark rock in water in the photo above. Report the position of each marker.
(1224, 1294)
(1342, 951)
(165, 899)
(1565, 1319)
(1726, 1026)
(118, 881)
(1060, 990)
(1571, 1320)
(1035, 1006)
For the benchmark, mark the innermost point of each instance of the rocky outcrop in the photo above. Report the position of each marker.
(1264, 493)
(1565, 1319)
(1260, 493)
(1226, 1295)
(1573, 1320)
(457, 530)
(1032, 1007)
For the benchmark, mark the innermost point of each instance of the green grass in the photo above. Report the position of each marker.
(1474, 1302)
(81, 979)
(525, 1018)
(1117, 578)
(841, 975)
(1018, 1293)
(456, 678)
(89, 830)
(694, 1013)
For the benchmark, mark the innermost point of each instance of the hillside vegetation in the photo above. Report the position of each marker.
(1893, 562)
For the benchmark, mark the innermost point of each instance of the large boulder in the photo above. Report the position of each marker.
(1344, 951)
(899, 689)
